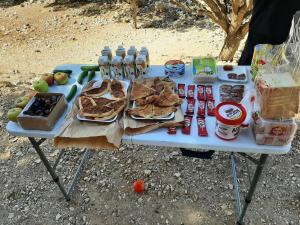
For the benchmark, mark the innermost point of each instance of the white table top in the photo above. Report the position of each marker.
(244, 143)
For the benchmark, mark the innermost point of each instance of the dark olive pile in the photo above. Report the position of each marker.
(42, 106)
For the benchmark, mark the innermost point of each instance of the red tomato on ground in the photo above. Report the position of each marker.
(139, 186)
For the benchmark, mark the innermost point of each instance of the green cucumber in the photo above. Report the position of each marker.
(90, 68)
(82, 76)
(63, 71)
(91, 75)
(72, 93)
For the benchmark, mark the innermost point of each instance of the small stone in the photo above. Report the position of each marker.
(177, 175)
(230, 186)
(297, 165)
(223, 206)
(140, 200)
(71, 209)
(84, 218)
(159, 193)
(87, 200)
(228, 212)
(38, 161)
(11, 215)
(147, 172)
(58, 216)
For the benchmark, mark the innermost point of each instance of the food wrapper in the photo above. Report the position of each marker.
(278, 76)
(204, 70)
(94, 135)
(273, 132)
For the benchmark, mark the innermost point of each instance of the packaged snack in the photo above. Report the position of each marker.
(231, 93)
(204, 70)
(129, 67)
(191, 91)
(117, 67)
(202, 131)
(172, 130)
(174, 68)
(190, 106)
(181, 90)
(210, 107)
(273, 132)
(200, 92)
(201, 108)
(104, 66)
(209, 93)
(121, 51)
(229, 118)
(186, 129)
(141, 66)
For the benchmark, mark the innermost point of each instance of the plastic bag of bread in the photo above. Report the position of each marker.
(278, 80)
(273, 132)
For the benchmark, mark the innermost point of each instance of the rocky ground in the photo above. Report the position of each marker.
(180, 190)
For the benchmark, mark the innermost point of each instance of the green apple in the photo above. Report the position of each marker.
(61, 78)
(13, 113)
(49, 78)
(21, 102)
(40, 86)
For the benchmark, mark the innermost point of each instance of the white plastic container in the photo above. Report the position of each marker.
(132, 51)
(104, 66)
(141, 66)
(117, 68)
(107, 52)
(129, 67)
(229, 117)
(144, 51)
(121, 51)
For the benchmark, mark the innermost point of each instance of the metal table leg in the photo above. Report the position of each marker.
(51, 170)
(260, 165)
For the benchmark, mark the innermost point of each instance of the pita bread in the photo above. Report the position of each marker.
(168, 98)
(96, 111)
(85, 102)
(163, 111)
(98, 91)
(145, 111)
(117, 90)
(145, 101)
(140, 91)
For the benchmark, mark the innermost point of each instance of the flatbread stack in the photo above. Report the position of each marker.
(93, 104)
(154, 98)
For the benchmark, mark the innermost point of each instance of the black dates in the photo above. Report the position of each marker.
(42, 106)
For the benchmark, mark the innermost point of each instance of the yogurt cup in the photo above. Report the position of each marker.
(229, 117)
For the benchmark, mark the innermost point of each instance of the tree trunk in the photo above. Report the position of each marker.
(134, 5)
(230, 46)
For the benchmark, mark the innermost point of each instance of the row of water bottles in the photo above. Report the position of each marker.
(121, 66)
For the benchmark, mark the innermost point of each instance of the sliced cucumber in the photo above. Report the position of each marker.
(82, 76)
(90, 68)
(72, 93)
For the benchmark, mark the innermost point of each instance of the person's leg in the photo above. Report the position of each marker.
(247, 54)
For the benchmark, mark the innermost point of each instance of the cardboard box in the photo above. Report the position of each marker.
(28, 122)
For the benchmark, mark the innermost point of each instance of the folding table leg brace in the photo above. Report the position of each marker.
(260, 165)
(51, 170)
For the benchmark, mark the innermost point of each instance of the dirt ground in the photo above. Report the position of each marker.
(34, 39)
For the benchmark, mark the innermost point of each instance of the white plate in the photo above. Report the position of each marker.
(169, 117)
(107, 95)
(222, 74)
(97, 120)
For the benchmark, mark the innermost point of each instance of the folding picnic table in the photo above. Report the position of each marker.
(243, 145)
